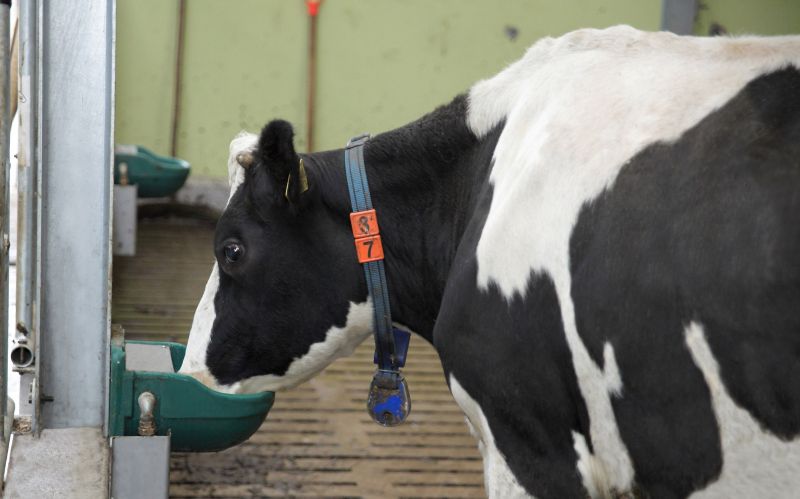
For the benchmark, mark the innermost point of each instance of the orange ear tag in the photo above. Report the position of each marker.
(368, 240)
(369, 249)
(364, 223)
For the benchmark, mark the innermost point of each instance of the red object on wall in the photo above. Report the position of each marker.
(313, 7)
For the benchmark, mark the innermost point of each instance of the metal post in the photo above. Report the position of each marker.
(67, 97)
(5, 210)
(24, 353)
(678, 16)
(77, 118)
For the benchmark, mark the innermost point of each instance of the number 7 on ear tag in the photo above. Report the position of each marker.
(369, 249)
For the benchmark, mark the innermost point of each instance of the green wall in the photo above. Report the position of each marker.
(381, 63)
(739, 17)
(144, 72)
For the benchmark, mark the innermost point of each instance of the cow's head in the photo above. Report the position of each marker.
(286, 296)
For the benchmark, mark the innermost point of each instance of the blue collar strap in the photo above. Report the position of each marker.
(388, 403)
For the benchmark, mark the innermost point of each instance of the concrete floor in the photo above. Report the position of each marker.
(317, 440)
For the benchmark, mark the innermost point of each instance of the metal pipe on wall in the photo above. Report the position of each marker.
(24, 351)
(22, 354)
(5, 211)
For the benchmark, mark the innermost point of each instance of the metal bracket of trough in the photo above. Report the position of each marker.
(140, 467)
(124, 226)
(144, 357)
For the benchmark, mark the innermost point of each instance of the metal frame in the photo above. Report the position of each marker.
(5, 199)
(77, 118)
(24, 354)
(62, 337)
(62, 342)
(64, 244)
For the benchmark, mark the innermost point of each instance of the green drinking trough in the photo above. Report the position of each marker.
(197, 418)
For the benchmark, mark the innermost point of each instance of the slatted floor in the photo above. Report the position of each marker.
(317, 440)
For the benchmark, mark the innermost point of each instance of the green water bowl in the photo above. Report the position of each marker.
(155, 176)
(197, 418)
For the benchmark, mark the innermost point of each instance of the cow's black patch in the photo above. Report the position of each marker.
(425, 179)
(513, 360)
(703, 229)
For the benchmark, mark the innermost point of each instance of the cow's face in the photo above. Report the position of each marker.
(285, 297)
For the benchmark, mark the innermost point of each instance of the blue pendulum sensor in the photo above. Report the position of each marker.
(389, 402)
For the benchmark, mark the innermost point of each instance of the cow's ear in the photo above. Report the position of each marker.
(280, 165)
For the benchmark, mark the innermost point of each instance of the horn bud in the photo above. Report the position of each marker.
(245, 159)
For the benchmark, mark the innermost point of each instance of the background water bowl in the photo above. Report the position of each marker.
(156, 176)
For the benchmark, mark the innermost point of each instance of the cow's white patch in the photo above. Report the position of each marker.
(243, 142)
(755, 463)
(205, 313)
(500, 482)
(576, 109)
(611, 371)
(590, 469)
(200, 333)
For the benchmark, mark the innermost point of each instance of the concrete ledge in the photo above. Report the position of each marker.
(199, 198)
(65, 463)
(203, 192)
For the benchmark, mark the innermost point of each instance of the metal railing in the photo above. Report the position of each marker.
(24, 351)
(5, 212)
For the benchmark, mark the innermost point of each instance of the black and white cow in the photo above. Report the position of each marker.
(602, 242)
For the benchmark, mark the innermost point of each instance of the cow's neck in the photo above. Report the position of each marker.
(424, 179)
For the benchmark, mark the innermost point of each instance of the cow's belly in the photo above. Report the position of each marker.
(725, 453)
(499, 480)
(521, 397)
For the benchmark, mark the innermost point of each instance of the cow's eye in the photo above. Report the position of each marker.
(233, 252)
